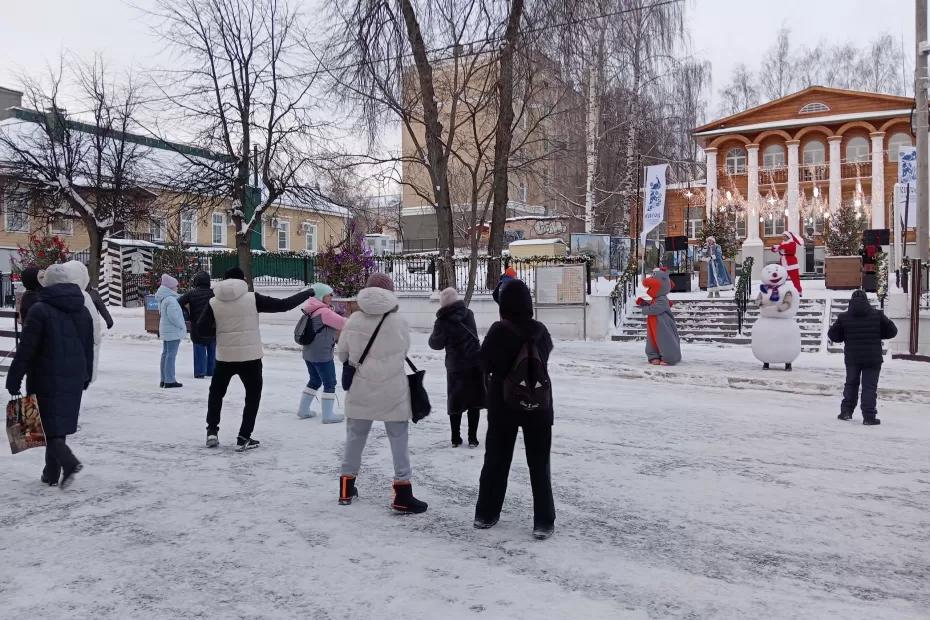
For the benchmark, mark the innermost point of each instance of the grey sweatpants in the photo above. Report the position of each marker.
(357, 435)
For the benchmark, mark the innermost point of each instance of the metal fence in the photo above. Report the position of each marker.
(7, 291)
(420, 274)
(268, 268)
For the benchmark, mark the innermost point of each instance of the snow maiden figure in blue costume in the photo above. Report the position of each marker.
(718, 277)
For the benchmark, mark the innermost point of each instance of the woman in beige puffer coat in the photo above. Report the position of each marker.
(379, 389)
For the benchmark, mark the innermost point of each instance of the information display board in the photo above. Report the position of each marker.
(559, 285)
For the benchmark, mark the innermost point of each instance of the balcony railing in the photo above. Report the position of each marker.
(856, 170)
(773, 175)
(816, 172)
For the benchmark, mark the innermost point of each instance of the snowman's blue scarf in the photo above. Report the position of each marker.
(772, 291)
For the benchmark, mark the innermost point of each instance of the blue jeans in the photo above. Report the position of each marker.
(169, 353)
(204, 359)
(322, 373)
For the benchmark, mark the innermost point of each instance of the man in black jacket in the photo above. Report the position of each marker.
(862, 328)
(232, 314)
(194, 302)
(502, 344)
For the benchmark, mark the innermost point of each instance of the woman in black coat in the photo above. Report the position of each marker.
(502, 344)
(455, 331)
(193, 303)
(56, 355)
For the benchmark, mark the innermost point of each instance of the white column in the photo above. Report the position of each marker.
(836, 182)
(752, 246)
(710, 158)
(794, 185)
(878, 179)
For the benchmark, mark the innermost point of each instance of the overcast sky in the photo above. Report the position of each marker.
(725, 32)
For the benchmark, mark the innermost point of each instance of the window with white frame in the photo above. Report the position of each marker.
(738, 221)
(15, 217)
(695, 222)
(157, 228)
(773, 157)
(816, 106)
(311, 237)
(736, 160)
(61, 226)
(895, 143)
(188, 226)
(218, 224)
(284, 235)
(857, 149)
(773, 225)
(522, 192)
(814, 224)
(812, 160)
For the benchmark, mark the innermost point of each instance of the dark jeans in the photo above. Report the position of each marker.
(322, 373)
(250, 373)
(455, 420)
(869, 380)
(204, 359)
(499, 445)
(58, 456)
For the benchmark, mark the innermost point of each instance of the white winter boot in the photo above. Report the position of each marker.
(328, 404)
(306, 399)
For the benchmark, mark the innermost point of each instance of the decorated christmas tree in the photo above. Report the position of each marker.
(41, 251)
(346, 265)
(722, 228)
(173, 260)
(843, 235)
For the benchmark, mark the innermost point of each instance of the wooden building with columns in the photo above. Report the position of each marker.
(790, 164)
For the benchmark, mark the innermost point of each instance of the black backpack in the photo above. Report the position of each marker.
(526, 387)
(304, 332)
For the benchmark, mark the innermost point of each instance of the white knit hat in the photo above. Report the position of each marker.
(448, 296)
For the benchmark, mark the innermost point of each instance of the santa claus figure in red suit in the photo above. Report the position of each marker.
(788, 250)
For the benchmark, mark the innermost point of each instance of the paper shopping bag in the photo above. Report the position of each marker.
(23, 424)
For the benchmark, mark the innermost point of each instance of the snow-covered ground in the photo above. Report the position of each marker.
(707, 490)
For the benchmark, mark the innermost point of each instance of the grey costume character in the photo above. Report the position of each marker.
(663, 347)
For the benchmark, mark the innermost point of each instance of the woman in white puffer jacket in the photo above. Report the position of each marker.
(77, 274)
(379, 389)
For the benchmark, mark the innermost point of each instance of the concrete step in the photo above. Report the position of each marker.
(732, 340)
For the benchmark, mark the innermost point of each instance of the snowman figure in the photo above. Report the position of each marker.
(776, 336)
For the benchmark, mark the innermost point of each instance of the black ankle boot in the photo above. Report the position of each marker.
(404, 501)
(347, 490)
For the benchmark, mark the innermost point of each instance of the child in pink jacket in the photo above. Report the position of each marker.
(318, 355)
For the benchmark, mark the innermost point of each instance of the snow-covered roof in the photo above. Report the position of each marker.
(807, 120)
(137, 243)
(536, 218)
(535, 242)
(312, 204)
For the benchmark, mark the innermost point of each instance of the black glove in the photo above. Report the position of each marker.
(14, 391)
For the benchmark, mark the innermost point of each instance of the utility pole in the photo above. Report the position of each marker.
(920, 96)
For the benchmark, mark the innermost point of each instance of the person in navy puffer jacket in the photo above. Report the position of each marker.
(171, 329)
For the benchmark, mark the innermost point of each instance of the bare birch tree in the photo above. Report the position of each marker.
(777, 76)
(741, 93)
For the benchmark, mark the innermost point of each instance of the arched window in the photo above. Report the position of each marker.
(814, 107)
(773, 156)
(895, 143)
(812, 161)
(857, 149)
(736, 160)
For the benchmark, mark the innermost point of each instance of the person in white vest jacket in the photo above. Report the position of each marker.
(379, 389)
(233, 312)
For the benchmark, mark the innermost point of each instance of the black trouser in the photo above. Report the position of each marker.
(499, 445)
(58, 456)
(250, 373)
(455, 419)
(869, 380)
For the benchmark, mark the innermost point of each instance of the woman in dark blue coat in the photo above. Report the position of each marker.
(56, 355)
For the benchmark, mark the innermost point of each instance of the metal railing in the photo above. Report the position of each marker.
(742, 292)
(7, 291)
(420, 273)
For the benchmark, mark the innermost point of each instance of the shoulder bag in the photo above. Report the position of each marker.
(348, 369)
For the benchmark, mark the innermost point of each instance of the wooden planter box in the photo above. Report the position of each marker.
(702, 274)
(843, 272)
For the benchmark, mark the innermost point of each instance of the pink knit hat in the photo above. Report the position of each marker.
(169, 282)
(380, 280)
